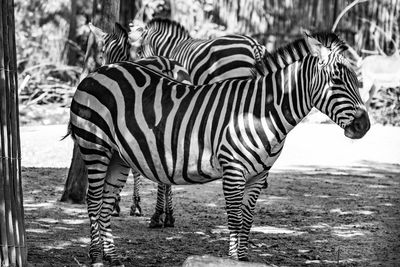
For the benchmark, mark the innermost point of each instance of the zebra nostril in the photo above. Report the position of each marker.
(358, 125)
(361, 121)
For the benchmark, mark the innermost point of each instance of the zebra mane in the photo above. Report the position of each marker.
(158, 21)
(118, 33)
(298, 49)
(331, 41)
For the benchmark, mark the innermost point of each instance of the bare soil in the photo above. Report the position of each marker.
(307, 217)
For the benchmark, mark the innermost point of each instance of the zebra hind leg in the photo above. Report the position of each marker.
(117, 174)
(169, 220)
(97, 160)
(156, 220)
(136, 210)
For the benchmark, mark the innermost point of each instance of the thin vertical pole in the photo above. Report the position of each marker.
(13, 251)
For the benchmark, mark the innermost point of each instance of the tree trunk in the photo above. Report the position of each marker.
(109, 14)
(70, 46)
(76, 184)
(13, 251)
(128, 10)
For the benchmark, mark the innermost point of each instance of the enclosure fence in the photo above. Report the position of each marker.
(13, 251)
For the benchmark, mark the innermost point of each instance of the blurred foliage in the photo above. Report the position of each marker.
(385, 106)
(42, 30)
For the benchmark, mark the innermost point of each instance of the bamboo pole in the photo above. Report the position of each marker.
(13, 251)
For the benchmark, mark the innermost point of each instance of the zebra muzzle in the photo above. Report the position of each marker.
(359, 126)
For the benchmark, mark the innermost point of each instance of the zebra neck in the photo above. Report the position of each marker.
(287, 100)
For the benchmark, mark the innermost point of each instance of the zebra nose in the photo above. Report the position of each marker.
(359, 126)
(361, 121)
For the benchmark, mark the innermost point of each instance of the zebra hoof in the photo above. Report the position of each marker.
(97, 264)
(156, 221)
(169, 221)
(245, 258)
(115, 213)
(116, 210)
(136, 211)
(116, 263)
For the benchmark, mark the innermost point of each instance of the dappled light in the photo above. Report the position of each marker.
(304, 217)
(274, 230)
(328, 192)
(347, 233)
(361, 212)
(335, 262)
(33, 206)
(36, 231)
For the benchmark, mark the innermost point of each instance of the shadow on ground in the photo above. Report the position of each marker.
(308, 216)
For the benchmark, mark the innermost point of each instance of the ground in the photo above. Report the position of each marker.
(330, 202)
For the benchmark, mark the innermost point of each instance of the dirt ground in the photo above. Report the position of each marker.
(307, 217)
(330, 202)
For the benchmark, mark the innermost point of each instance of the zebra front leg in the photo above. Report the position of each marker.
(156, 220)
(117, 174)
(169, 220)
(233, 185)
(136, 210)
(251, 194)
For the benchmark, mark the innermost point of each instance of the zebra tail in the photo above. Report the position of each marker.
(69, 132)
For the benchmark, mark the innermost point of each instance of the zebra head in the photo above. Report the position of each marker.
(161, 37)
(334, 85)
(115, 47)
(136, 32)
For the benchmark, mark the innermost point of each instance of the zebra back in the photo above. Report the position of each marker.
(206, 60)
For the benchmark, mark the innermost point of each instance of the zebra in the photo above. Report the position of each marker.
(212, 60)
(207, 61)
(116, 48)
(126, 114)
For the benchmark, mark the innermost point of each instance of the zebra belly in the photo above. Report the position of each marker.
(169, 168)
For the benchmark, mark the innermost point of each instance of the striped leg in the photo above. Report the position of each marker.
(251, 194)
(96, 161)
(136, 210)
(164, 203)
(156, 220)
(169, 210)
(117, 208)
(233, 185)
(117, 175)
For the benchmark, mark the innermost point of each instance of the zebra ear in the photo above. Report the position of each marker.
(317, 49)
(98, 33)
(118, 29)
(136, 30)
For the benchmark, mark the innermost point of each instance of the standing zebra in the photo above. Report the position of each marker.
(207, 61)
(116, 48)
(126, 114)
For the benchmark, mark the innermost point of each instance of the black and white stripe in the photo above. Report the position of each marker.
(116, 48)
(174, 133)
(207, 61)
